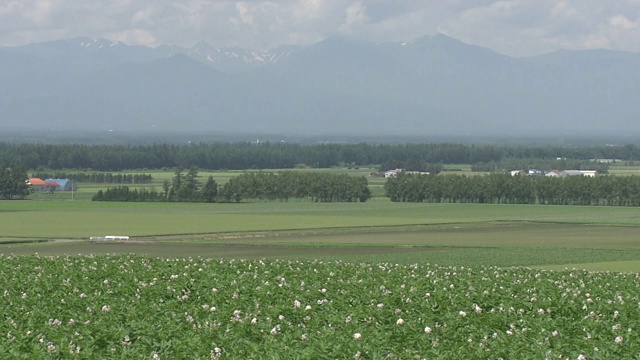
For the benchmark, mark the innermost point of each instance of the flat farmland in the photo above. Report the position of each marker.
(304, 280)
(379, 230)
(81, 219)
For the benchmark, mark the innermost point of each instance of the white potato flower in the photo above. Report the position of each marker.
(619, 339)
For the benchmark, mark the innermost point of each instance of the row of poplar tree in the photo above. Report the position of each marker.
(183, 187)
(507, 189)
(285, 185)
(281, 186)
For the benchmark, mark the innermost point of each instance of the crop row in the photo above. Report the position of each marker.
(128, 307)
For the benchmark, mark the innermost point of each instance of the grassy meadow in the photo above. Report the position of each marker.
(599, 238)
(378, 230)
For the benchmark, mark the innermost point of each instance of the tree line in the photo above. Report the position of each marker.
(97, 178)
(13, 183)
(183, 187)
(244, 156)
(507, 189)
(286, 185)
(281, 186)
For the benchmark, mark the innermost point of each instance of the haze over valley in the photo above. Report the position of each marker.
(432, 86)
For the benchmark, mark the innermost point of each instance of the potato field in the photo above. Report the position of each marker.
(133, 307)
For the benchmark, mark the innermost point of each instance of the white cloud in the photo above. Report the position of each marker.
(40, 12)
(595, 42)
(309, 10)
(355, 16)
(134, 37)
(516, 27)
(144, 16)
(621, 21)
(10, 8)
(527, 27)
(245, 13)
(562, 10)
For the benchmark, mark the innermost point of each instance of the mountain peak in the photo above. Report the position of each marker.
(93, 43)
(438, 39)
(433, 85)
(201, 47)
(445, 38)
(446, 44)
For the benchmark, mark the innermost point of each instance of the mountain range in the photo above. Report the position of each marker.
(435, 85)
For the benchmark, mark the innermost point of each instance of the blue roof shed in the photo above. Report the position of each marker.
(65, 184)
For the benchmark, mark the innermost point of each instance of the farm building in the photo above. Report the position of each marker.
(589, 173)
(64, 184)
(530, 172)
(42, 186)
(556, 173)
(606, 161)
(392, 173)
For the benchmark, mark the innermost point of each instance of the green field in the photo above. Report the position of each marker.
(131, 307)
(554, 237)
(379, 230)
(305, 280)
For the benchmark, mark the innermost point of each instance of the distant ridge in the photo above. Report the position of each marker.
(434, 85)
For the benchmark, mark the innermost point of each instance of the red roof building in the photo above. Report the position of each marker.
(41, 185)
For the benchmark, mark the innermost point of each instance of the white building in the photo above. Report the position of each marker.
(589, 173)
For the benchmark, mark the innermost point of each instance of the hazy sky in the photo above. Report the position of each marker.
(513, 27)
